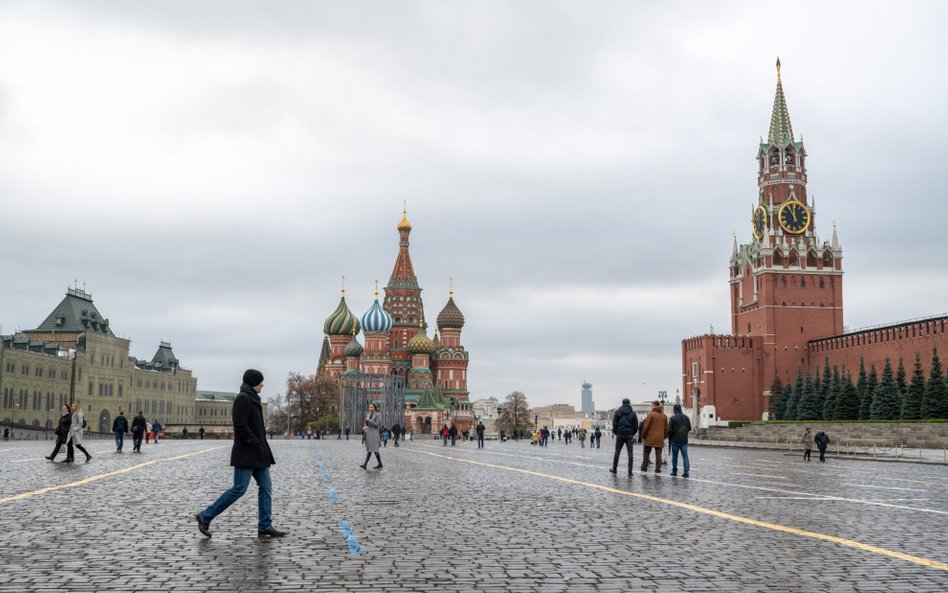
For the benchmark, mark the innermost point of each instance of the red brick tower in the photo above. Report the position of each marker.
(451, 359)
(786, 284)
(403, 302)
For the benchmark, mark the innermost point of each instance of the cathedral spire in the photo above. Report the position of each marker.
(781, 132)
(403, 275)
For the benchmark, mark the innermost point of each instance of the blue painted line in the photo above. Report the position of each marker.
(326, 478)
(354, 548)
(333, 495)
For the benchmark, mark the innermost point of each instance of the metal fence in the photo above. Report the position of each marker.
(357, 391)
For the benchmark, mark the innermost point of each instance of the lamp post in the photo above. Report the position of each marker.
(46, 428)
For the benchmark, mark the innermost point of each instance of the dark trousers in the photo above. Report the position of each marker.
(396, 437)
(806, 454)
(626, 441)
(480, 441)
(137, 441)
(70, 453)
(658, 457)
(822, 453)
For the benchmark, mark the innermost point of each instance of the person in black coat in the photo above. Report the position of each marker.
(62, 435)
(139, 427)
(678, 428)
(120, 427)
(624, 425)
(250, 457)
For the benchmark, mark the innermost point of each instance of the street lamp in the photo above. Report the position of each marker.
(46, 428)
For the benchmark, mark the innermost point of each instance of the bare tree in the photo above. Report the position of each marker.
(515, 413)
(310, 399)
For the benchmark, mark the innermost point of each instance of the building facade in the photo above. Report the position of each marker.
(396, 342)
(786, 293)
(73, 355)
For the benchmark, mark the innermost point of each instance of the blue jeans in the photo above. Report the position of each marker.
(683, 447)
(119, 439)
(241, 482)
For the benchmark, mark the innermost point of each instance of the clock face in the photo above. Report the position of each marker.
(794, 217)
(759, 221)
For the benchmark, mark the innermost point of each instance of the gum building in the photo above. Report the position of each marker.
(786, 293)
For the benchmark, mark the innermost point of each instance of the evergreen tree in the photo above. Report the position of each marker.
(847, 404)
(829, 404)
(900, 383)
(886, 400)
(826, 383)
(809, 407)
(865, 406)
(912, 403)
(861, 389)
(935, 402)
(777, 401)
(793, 400)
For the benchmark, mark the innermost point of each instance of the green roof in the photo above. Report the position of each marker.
(76, 313)
(781, 132)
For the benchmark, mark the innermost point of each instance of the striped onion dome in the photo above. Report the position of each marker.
(450, 317)
(420, 344)
(342, 322)
(376, 319)
(353, 348)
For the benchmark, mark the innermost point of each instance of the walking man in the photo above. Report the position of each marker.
(678, 428)
(598, 436)
(156, 428)
(201, 432)
(822, 440)
(250, 457)
(807, 440)
(480, 435)
(396, 432)
(624, 425)
(139, 428)
(654, 430)
(120, 427)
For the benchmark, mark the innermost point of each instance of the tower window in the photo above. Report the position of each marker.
(822, 284)
(783, 283)
(802, 283)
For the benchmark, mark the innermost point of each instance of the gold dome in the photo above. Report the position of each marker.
(404, 225)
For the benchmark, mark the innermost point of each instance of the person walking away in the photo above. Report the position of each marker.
(201, 432)
(822, 440)
(444, 435)
(582, 437)
(373, 421)
(250, 456)
(156, 428)
(62, 435)
(654, 431)
(624, 425)
(139, 429)
(678, 428)
(598, 435)
(384, 433)
(479, 429)
(807, 440)
(454, 434)
(120, 428)
(184, 432)
(347, 433)
(396, 433)
(75, 430)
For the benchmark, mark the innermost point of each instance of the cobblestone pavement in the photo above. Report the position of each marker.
(511, 517)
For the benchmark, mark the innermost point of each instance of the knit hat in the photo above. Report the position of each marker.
(253, 377)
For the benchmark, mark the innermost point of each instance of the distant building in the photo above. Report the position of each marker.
(588, 405)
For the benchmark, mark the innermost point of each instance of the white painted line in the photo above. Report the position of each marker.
(762, 476)
(881, 487)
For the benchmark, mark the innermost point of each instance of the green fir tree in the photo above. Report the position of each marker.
(862, 390)
(900, 382)
(777, 401)
(912, 402)
(865, 405)
(935, 402)
(847, 404)
(793, 400)
(810, 407)
(829, 404)
(886, 399)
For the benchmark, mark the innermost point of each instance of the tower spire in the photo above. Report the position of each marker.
(781, 132)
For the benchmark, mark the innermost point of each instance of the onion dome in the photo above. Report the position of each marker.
(404, 225)
(353, 348)
(450, 317)
(376, 319)
(342, 322)
(420, 344)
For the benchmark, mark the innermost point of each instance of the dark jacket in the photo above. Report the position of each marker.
(251, 449)
(821, 439)
(624, 422)
(139, 424)
(120, 424)
(62, 431)
(678, 428)
(480, 429)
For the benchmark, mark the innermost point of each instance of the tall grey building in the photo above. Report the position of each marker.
(588, 405)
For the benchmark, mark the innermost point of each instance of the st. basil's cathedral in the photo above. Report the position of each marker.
(396, 339)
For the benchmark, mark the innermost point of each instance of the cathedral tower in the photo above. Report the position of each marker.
(403, 302)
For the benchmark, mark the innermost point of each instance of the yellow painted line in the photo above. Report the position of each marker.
(98, 477)
(706, 511)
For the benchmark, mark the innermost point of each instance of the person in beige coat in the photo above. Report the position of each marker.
(807, 440)
(75, 429)
(654, 432)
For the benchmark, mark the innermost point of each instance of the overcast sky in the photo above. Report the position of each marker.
(210, 170)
